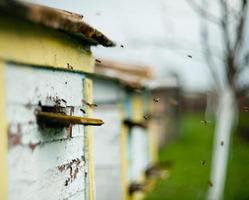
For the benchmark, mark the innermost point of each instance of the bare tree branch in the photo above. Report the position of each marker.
(244, 64)
(208, 55)
(232, 12)
(232, 38)
(202, 12)
(224, 25)
(240, 30)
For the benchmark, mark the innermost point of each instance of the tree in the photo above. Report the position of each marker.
(232, 23)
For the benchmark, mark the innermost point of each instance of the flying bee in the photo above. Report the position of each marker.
(189, 56)
(205, 122)
(91, 105)
(97, 60)
(210, 184)
(156, 100)
(122, 46)
(83, 111)
(64, 101)
(222, 143)
(147, 117)
(203, 162)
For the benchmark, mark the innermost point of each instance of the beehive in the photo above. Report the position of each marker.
(122, 102)
(46, 103)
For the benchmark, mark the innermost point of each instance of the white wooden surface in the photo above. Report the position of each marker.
(138, 153)
(107, 94)
(107, 153)
(44, 163)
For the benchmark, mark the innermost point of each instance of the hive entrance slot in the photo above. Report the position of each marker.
(53, 109)
(50, 110)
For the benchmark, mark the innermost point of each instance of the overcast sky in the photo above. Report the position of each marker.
(159, 33)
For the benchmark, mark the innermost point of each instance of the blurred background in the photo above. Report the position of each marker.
(199, 52)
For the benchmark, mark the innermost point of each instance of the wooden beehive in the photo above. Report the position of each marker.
(46, 103)
(122, 146)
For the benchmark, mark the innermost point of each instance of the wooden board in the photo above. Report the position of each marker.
(107, 151)
(138, 153)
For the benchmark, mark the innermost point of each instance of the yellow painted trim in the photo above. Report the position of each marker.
(153, 146)
(124, 157)
(153, 137)
(27, 43)
(89, 131)
(137, 107)
(3, 136)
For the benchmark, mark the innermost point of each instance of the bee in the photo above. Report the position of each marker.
(83, 111)
(222, 143)
(91, 105)
(98, 61)
(156, 100)
(189, 56)
(210, 184)
(203, 162)
(147, 117)
(69, 66)
(205, 122)
(122, 46)
(64, 101)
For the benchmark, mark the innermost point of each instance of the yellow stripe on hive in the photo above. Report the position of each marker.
(153, 137)
(27, 43)
(3, 135)
(124, 160)
(89, 137)
(137, 107)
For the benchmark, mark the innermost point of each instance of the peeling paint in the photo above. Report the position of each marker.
(73, 167)
(32, 146)
(14, 138)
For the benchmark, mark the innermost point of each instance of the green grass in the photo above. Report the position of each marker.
(189, 178)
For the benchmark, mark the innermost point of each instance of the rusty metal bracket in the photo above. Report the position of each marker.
(67, 119)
